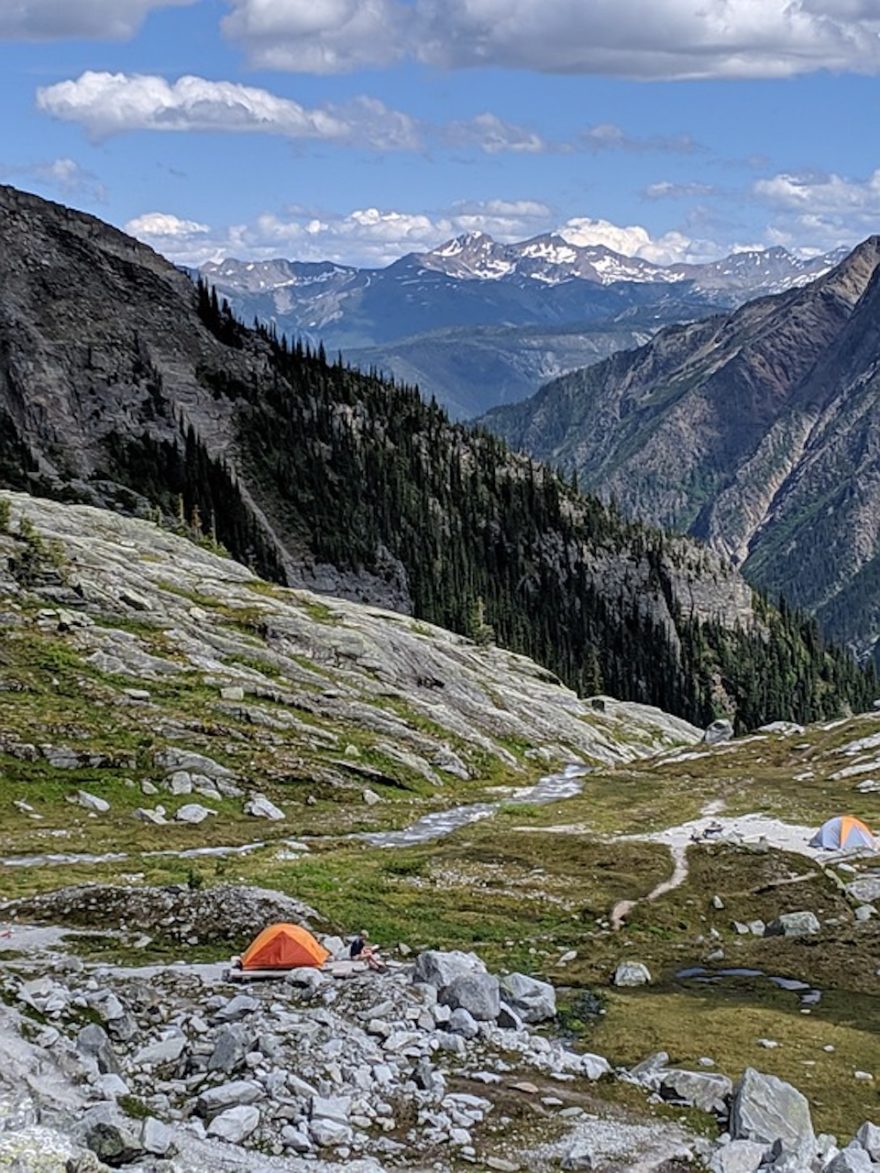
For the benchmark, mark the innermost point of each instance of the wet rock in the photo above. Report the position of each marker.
(533, 1000)
(793, 924)
(632, 973)
(767, 1109)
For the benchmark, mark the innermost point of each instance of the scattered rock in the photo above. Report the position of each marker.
(235, 1124)
(194, 813)
(259, 807)
(793, 924)
(632, 973)
(718, 731)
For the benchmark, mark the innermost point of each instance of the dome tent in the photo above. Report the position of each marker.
(844, 833)
(284, 946)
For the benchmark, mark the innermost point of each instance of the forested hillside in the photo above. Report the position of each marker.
(319, 475)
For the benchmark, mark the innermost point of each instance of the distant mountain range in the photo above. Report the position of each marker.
(477, 323)
(756, 430)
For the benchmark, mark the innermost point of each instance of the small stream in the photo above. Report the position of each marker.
(434, 826)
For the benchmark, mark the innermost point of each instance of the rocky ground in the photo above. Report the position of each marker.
(433, 1063)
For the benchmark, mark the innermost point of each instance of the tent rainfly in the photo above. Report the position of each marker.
(844, 833)
(284, 946)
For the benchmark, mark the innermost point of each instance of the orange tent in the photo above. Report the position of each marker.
(284, 947)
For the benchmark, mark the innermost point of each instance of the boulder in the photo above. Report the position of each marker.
(180, 783)
(533, 1000)
(157, 1138)
(235, 1124)
(91, 802)
(718, 731)
(194, 813)
(214, 1100)
(462, 1022)
(868, 1137)
(370, 797)
(793, 924)
(336, 1108)
(478, 993)
(229, 1051)
(112, 1143)
(93, 1041)
(632, 973)
(438, 969)
(865, 890)
(595, 1066)
(259, 807)
(157, 1054)
(237, 1007)
(851, 1160)
(740, 1156)
(766, 1109)
(329, 1133)
(709, 1092)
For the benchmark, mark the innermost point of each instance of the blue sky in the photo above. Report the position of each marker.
(357, 130)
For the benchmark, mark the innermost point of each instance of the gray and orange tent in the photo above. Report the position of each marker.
(284, 946)
(844, 833)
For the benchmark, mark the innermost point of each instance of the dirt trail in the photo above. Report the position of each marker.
(623, 908)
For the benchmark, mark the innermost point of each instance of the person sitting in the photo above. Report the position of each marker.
(361, 950)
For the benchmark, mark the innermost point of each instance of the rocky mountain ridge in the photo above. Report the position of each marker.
(754, 430)
(122, 385)
(579, 302)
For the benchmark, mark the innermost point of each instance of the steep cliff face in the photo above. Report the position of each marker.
(123, 385)
(756, 431)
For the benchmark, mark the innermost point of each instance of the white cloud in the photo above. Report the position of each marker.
(635, 241)
(43, 20)
(825, 209)
(630, 38)
(110, 103)
(493, 136)
(62, 175)
(156, 225)
(364, 236)
(665, 189)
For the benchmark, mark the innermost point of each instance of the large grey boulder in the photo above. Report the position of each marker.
(93, 1041)
(478, 993)
(767, 1109)
(868, 1137)
(260, 807)
(718, 731)
(708, 1091)
(851, 1160)
(533, 1000)
(156, 1137)
(437, 968)
(230, 1048)
(740, 1156)
(793, 924)
(235, 1124)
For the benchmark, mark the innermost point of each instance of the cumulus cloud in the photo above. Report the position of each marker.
(494, 136)
(826, 209)
(635, 241)
(670, 39)
(43, 20)
(363, 236)
(110, 103)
